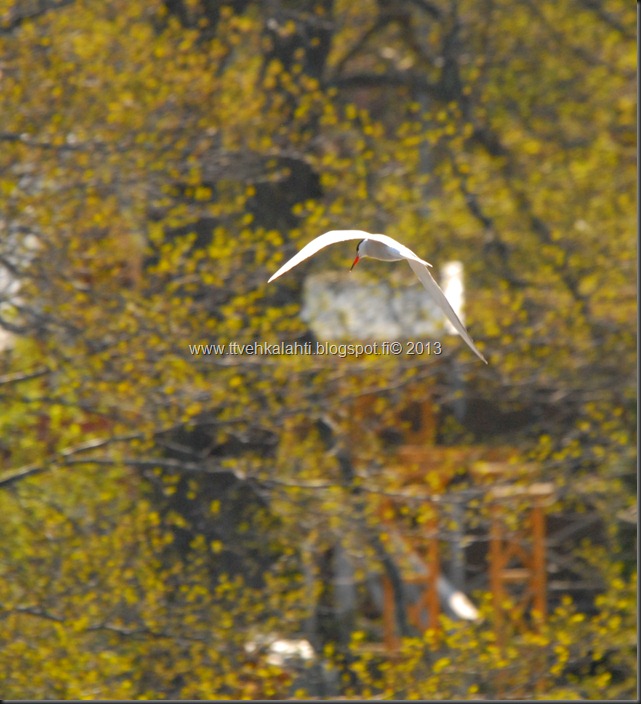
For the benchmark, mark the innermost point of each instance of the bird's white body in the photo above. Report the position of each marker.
(387, 249)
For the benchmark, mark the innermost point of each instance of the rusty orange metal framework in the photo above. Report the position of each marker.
(516, 557)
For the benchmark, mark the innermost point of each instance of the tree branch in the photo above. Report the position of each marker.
(17, 378)
(64, 147)
(22, 11)
(376, 80)
(596, 6)
(33, 469)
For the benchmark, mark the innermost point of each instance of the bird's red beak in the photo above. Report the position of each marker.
(355, 262)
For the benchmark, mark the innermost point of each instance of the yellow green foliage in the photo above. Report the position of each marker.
(153, 167)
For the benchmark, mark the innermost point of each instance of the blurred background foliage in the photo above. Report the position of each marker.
(166, 512)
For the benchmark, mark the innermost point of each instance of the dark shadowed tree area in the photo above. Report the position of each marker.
(172, 512)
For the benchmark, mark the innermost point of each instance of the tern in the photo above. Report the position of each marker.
(389, 250)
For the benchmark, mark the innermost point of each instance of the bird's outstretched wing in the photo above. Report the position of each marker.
(317, 244)
(418, 265)
(334, 236)
(437, 294)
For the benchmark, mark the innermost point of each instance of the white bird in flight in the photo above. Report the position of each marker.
(389, 250)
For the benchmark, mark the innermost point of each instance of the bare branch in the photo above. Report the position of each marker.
(27, 376)
(28, 141)
(377, 80)
(427, 7)
(33, 469)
